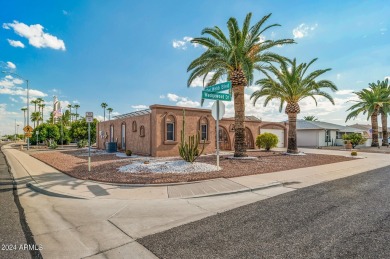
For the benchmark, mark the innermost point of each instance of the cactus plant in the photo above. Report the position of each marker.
(189, 151)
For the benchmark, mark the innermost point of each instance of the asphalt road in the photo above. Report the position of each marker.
(14, 231)
(346, 218)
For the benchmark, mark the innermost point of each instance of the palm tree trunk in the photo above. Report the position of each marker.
(385, 134)
(292, 133)
(104, 114)
(374, 126)
(239, 122)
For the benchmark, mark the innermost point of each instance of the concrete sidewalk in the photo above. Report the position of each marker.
(105, 221)
(45, 179)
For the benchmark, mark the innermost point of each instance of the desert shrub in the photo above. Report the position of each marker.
(353, 153)
(267, 141)
(129, 152)
(53, 145)
(355, 139)
(82, 143)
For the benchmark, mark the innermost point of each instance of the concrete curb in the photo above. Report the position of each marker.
(37, 188)
(261, 187)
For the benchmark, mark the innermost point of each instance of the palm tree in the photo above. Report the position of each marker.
(290, 86)
(109, 112)
(310, 118)
(36, 117)
(24, 115)
(235, 57)
(70, 111)
(35, 102)
(104, 106)
(384, 88)
(76, 106)
(40, 107)
(369, 103)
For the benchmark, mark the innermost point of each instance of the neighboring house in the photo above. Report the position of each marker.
(368, 132)
(320, 134)
(156, 131)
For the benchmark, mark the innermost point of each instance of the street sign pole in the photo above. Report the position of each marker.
(217, 128)
(89, 147)
(89, 119)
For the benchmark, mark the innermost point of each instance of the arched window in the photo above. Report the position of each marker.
(123, 135)
(111, 133)
(204, 128)
(170, 128)
(134, 126)
(142, 131)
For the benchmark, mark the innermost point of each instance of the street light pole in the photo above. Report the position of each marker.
(28, 102)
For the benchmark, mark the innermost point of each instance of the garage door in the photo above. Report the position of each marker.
(307, 138)
(277, 132)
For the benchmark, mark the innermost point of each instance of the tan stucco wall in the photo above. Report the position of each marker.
(134, 142)
(161, 147)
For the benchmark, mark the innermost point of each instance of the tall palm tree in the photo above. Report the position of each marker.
(369, 103)
(235, 57)
(24, 109)
(104, 106)
(70, 111)
(290, 86)
(36, 117)
(35, 102)
(384, 109)
(76, 106)
(40, 107)
(109, 112)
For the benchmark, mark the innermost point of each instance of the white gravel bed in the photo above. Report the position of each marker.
(178, 166)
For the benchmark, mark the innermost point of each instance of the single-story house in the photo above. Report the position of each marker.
(368, 132)
(320, 134)
(156, 131)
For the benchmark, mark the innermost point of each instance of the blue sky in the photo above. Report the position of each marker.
(131, 54)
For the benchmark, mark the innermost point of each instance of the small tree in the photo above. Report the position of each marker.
(267, 141)
(355, 139)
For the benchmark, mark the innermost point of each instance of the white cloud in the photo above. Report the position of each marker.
(182, 101)
(13, 100)
(338, 76)
(35, 35)
(303, 30)
(198, 82)
(15, 43)
(162, 96)
(182, 44)
(178, 44)
(11, 65)
(172, 97)
(139, 107)
(64, 12)
(10, 87)
(344, 92)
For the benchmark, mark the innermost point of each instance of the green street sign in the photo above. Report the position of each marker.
(216, 96)
(218, 87)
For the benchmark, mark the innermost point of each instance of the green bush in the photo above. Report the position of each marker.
(53, 145)
(267, 141)
(353, 153)
(82, 143)
(355, 139)
(128, 152)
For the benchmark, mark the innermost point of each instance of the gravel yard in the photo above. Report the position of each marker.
(148, 170)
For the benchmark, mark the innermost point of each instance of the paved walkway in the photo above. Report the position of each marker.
(45, 179)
